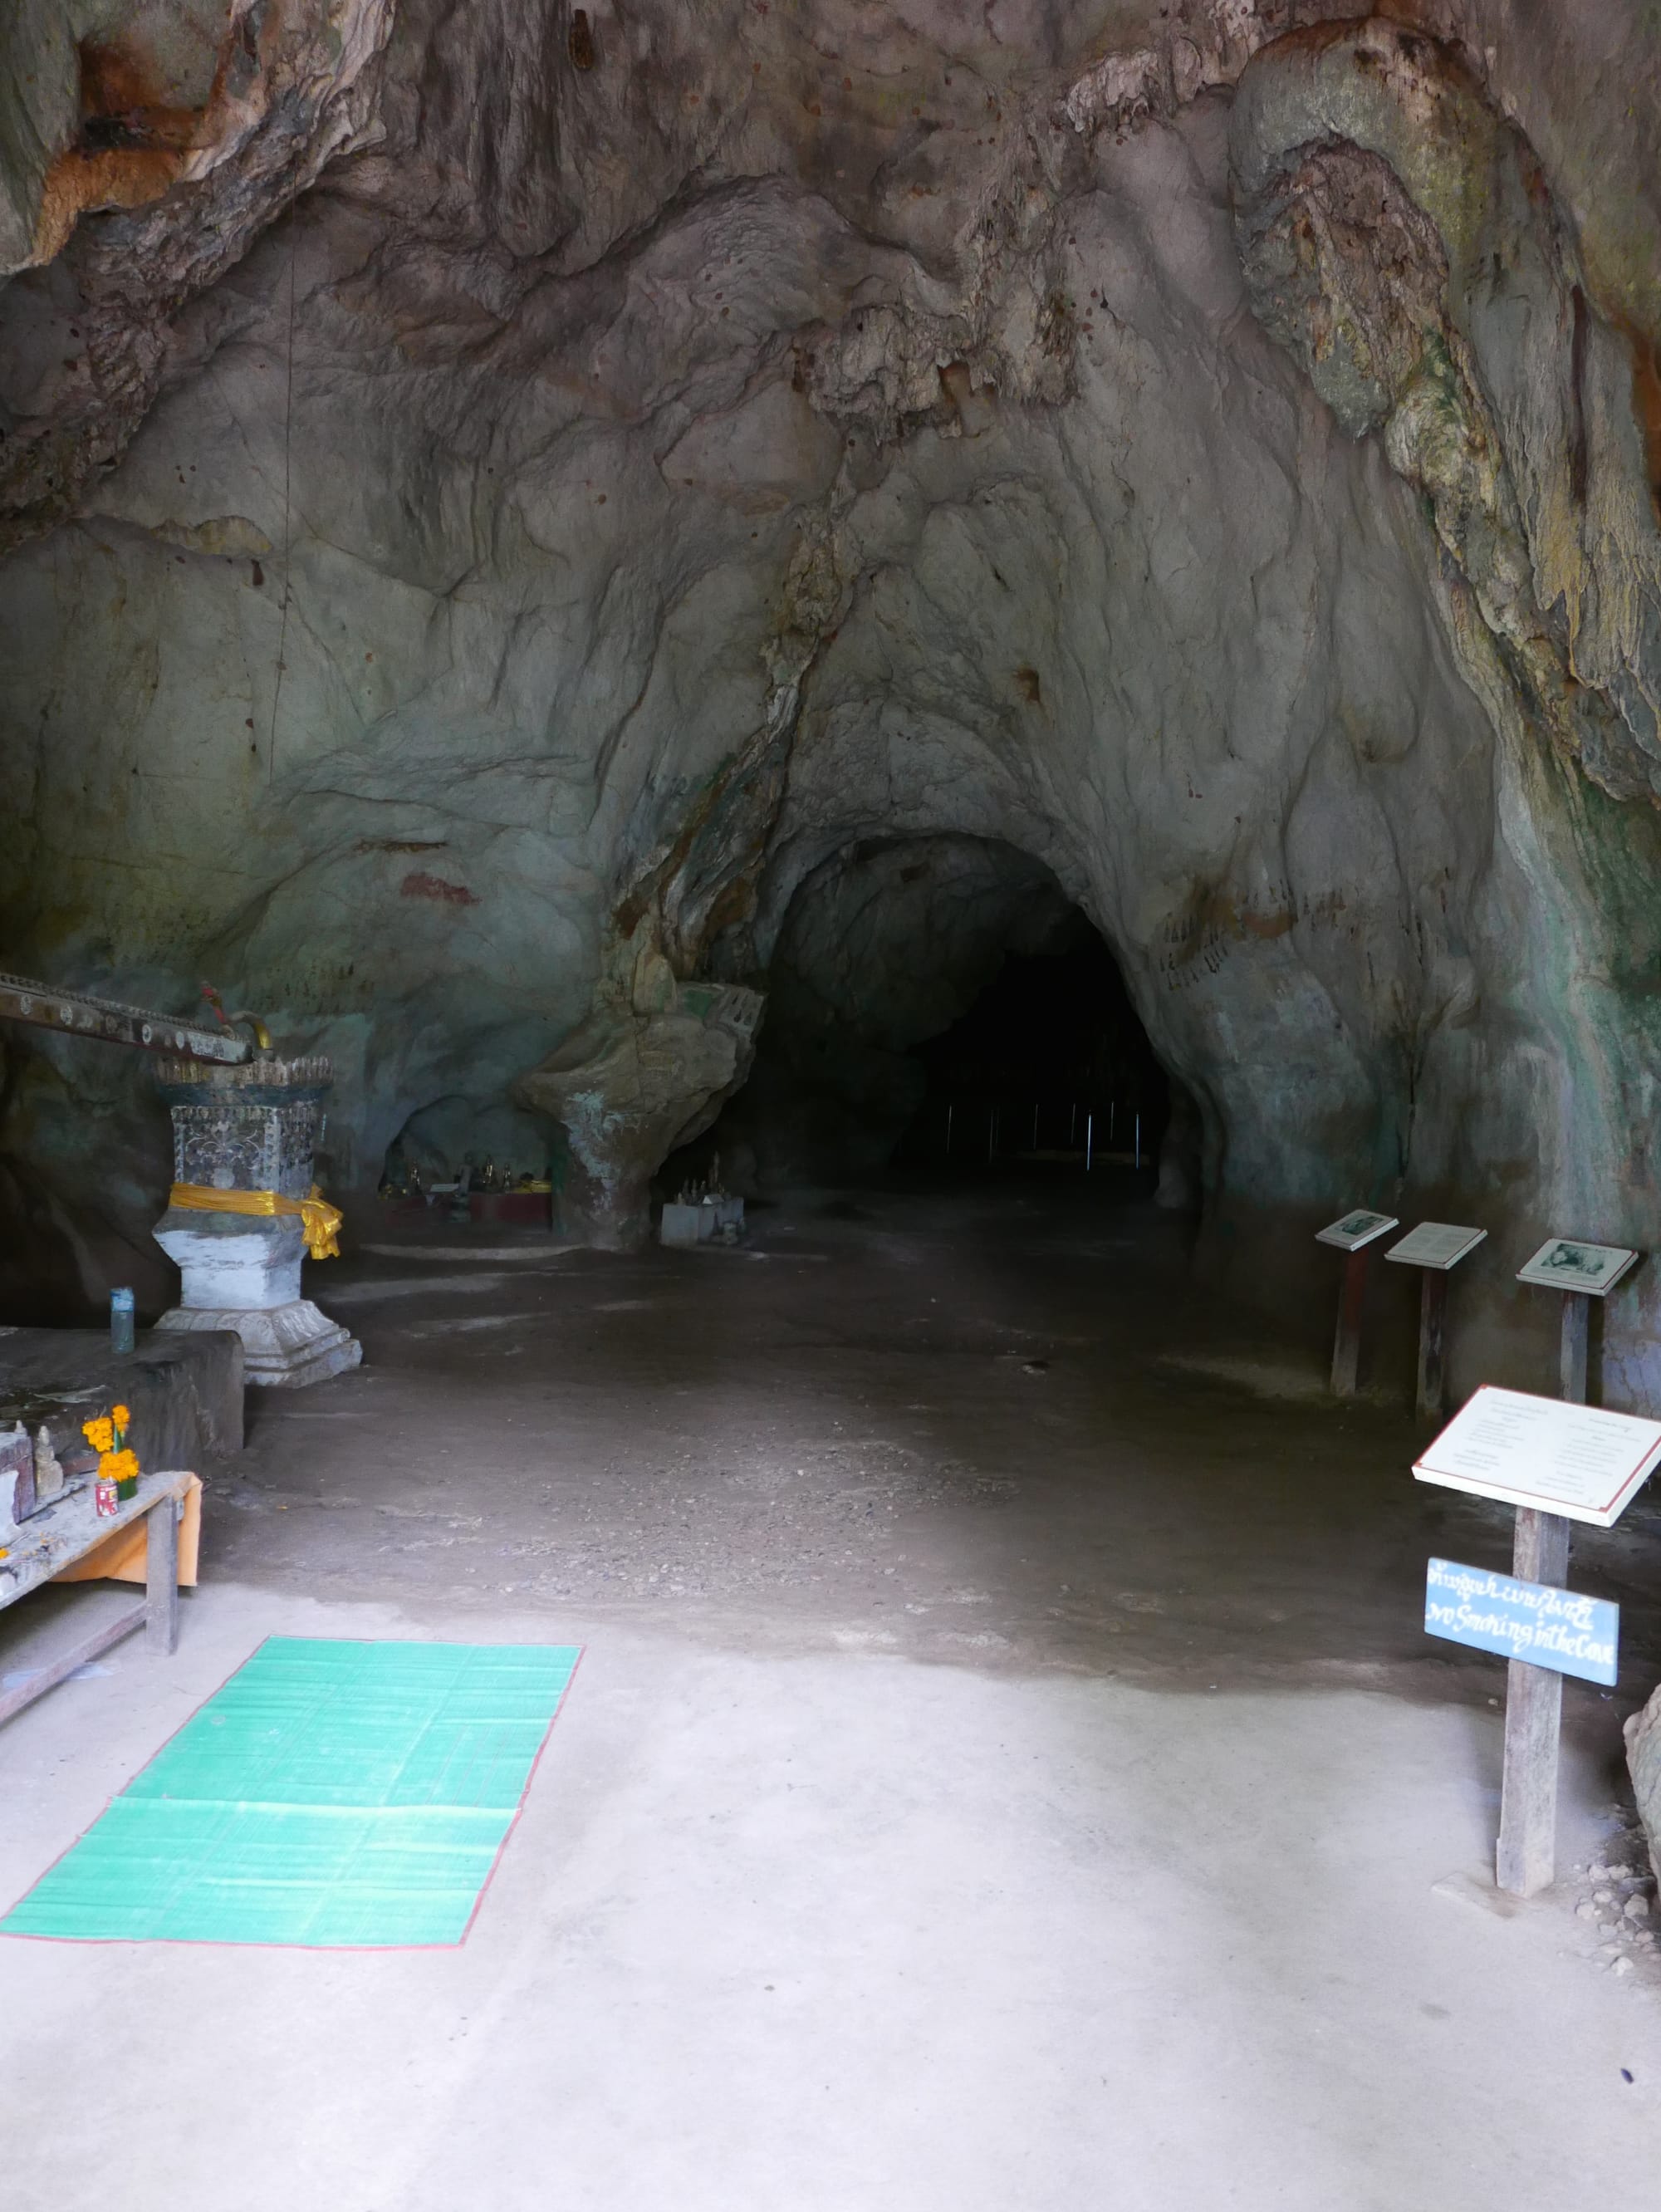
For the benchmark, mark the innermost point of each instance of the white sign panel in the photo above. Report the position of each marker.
(1435, 1245)
(1546, 1453)
(1355, 1230)
(1564, 1263)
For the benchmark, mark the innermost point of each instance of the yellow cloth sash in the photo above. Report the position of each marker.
(319, 1219)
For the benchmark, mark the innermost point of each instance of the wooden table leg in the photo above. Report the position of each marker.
(161, 1577)
(1346, 1341)
(58, 1670)
(1572, 1349)
(1527, 1858)
(1433, 1308)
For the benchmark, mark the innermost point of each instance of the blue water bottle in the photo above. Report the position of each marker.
(121, 1321)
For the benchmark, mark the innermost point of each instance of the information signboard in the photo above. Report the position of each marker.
(1564, 1263)
(1544, 1454)
(1440, 1244)
(1356, 1228)
(1554, 1628)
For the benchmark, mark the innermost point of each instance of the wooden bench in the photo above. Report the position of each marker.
(63, 1533)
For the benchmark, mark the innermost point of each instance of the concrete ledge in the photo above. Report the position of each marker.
(185, 1391)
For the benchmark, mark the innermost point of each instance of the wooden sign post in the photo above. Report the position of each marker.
(1556, 1462)
(1524, 1861)
(1436, 1248)
(1581, 1272)
(1351, 1236)
(1573, 1345)
(1525, 1856)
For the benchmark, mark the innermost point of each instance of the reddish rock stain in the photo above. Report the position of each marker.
(419, 885)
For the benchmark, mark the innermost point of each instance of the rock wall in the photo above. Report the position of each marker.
(556, 489)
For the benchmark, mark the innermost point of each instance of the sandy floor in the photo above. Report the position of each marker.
(1006, 1769)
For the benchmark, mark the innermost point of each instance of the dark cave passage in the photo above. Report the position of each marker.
(1050, 1068)
(940, 1005)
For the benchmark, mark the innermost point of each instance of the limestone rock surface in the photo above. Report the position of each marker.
(1644, 1760)
(514, 496)
(629, 1085)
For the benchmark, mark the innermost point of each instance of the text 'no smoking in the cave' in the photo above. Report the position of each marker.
(1554, 1628)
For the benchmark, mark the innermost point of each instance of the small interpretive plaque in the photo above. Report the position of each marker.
(1554, 1628)
(1564, 1263)
(1355, 1230)
(1545, 1454)
(1441, 1244)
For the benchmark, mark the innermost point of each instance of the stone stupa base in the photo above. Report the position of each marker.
(288, 1345)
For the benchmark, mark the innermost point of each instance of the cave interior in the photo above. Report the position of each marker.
(992, 663)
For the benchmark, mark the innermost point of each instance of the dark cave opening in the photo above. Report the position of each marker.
(940, 1005)
(1049, 1068)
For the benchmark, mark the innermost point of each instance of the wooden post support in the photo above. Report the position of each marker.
(1432, 1310)
(60, 1670)
(1347, 1338)
(1525, 1859)
(161, 1577)
(1572, 1354)
(1433, 1248)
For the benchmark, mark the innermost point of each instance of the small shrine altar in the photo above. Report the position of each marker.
(67, 1534)
(244, 1213)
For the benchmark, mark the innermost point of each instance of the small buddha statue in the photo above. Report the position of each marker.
(48, 1468)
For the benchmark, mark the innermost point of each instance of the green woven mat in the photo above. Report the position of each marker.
(331, 1793)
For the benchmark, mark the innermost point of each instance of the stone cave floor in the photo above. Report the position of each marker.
(1006, 1769)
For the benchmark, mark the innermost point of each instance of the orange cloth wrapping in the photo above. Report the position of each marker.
(120, 1557)
(318, 1219)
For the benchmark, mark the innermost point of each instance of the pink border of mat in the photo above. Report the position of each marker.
(350, 1950)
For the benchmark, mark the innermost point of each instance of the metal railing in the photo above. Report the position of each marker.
(1084, 1131)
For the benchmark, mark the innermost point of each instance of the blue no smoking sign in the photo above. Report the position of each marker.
(1554, 1628)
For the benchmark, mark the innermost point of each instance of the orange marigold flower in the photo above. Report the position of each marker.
(100, 1433)
(121, 1416)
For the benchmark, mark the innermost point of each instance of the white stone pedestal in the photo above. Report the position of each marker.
(244, 1274)
(252, 1127)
